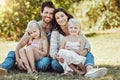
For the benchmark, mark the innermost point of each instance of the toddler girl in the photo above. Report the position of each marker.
(36, 48)
(71, 47)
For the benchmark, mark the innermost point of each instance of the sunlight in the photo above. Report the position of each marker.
(2, 2)
(4, 5)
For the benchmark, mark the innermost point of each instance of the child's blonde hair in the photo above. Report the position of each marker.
(34, 23)
(75, 21)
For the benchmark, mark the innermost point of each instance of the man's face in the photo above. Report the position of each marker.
(47, 14)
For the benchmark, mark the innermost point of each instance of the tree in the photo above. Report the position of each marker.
(93, 14)
(99, 14)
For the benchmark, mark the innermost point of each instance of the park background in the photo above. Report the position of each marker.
(100, 20)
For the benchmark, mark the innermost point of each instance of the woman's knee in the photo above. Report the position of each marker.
(89, 59)
(54, 63)
(56, 66)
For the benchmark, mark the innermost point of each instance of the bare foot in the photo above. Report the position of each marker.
(29, 71)
(34, 71)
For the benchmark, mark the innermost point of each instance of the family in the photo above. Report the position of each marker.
(56, 42)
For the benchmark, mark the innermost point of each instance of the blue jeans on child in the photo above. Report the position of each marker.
(42, 64)
(58, 68)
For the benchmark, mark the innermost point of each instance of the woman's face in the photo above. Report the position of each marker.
(61, 18)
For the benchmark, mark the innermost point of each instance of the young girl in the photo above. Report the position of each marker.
(36, 48)
(71, 47)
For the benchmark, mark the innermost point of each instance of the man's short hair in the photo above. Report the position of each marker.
(47, 4)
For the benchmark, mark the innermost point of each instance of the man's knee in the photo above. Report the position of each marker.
(11, 54)
(43, 64)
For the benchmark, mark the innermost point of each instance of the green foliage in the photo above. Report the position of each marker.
(94, 14)
(99, 14)
(15, 16)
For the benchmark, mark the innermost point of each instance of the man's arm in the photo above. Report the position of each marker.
(23, 41)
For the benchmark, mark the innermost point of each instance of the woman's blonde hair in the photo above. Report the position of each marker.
(75, 21)
(34, 23)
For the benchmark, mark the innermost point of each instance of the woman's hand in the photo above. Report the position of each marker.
(68, 48)
(60, 59)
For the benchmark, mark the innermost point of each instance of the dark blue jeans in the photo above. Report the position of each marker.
(58, 68)
(42, 64)
(9, 61)
(89, 59)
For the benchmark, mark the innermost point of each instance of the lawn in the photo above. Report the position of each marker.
(105, 47)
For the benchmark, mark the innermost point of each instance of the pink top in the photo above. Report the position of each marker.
(34, 44)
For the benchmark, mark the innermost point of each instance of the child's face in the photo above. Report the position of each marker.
(34, 32)
(73, 29)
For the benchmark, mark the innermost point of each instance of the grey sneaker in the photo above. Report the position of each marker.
(95, 73)
(3, 72)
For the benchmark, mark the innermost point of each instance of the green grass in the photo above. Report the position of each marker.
(105, 47)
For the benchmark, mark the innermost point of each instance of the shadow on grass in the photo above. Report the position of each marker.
(113, 74)
(94, 34)
(91, 34)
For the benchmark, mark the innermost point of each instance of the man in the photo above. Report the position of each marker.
(42, 64)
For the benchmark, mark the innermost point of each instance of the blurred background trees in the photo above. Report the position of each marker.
(93, 14)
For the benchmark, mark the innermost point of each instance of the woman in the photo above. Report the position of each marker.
(60, 19)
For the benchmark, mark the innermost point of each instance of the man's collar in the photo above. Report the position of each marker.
(46, 27)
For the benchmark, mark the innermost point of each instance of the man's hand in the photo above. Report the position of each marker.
(20, 64)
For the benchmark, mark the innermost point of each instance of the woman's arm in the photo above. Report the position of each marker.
(87, 43)
(62, 44)
(54, 43)
(86, 47)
